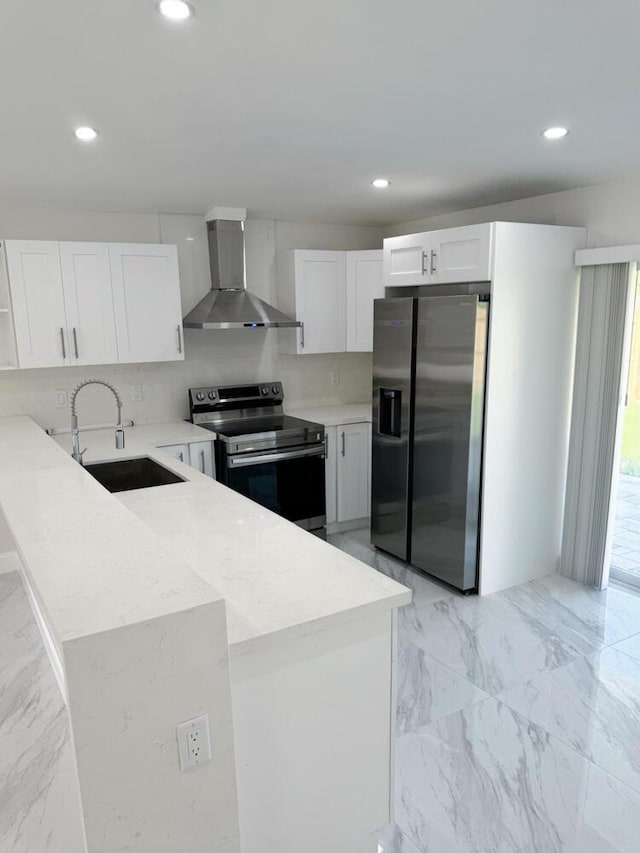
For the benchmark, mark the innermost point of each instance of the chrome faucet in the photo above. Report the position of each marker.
(75, 432)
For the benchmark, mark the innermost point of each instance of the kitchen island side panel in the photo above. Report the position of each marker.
(314, 746)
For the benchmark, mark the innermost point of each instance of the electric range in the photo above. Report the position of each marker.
(272, 458)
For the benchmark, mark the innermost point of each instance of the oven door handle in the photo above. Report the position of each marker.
(245, 461)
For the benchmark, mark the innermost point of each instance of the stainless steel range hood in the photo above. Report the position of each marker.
(229, 305)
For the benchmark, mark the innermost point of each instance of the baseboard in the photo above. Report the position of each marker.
(343, 526)
(9, 562)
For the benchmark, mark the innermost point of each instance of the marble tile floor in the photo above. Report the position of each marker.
(625, 551)
(518, 718)
(39, 801)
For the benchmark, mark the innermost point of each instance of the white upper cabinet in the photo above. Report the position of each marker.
(406, 260)
(461, 254)
(93, 303)
(86, 281)
(146, 300)
(364, 284)
(440, 257)
(37, 299)
(312, 288)
(332, 294)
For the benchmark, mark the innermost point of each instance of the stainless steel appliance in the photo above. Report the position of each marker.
(229, 305)
(272, 458)
(429, 367)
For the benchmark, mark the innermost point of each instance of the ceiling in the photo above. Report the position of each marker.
(290, 108)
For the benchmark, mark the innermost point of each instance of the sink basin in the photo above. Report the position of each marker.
(128, 474)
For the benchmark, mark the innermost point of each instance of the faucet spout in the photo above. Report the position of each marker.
(76, 453)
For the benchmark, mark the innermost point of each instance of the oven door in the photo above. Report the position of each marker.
(289, 482)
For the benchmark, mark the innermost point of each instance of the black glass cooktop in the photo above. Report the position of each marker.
(260, 426)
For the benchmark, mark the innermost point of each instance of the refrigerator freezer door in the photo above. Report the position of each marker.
(390, 469)
(451, 346)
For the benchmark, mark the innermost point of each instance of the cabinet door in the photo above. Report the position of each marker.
(331, 481)
(35, 282)
(178, 451)
(320, 293)
(354, 465)
(88, 299)
(201, 457)
(364, 284)
(406, 259)
(461, 254)
(146, 299)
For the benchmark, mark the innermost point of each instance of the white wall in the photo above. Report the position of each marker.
(610, 212)
(211, 357)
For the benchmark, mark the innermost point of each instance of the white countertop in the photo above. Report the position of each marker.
(100, 443)
(345, 413)
(93, 564)
(101, 560)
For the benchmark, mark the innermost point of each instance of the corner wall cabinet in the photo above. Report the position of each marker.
(439, 257)
(74, 303)
(348, 474)
(332, 294)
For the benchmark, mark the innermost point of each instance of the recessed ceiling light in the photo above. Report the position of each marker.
(175, 10)
(85, 134)
(380, 183)
(555, 132)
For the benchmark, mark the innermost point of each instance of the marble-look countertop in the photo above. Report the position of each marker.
(100, 560)
(100, 443)
(345, 413)
(93, 564)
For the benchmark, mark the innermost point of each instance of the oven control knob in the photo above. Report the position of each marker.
(212, 395)
(200, 395)
(275, 389)
(265, 391)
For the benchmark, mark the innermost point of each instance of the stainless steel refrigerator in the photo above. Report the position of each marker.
(429, 368)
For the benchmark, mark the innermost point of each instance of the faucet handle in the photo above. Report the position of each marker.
(119, 437)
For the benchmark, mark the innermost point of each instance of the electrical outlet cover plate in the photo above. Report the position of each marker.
(194, 742)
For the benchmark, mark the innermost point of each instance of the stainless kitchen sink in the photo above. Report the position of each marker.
(127, 474)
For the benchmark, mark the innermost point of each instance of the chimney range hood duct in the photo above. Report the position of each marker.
(229, 305)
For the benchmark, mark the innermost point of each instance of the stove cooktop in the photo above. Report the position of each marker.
(260, 426)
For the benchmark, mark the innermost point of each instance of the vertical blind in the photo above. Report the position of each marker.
(599, 349)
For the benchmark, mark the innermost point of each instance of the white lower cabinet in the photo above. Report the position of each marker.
(348, 474)
(197, 454)
(178, 451)
(331, 475)
(201, 457)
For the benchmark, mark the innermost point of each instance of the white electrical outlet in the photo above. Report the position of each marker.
(335, 377)
(136, 393)
(194, 742)
(62, 399)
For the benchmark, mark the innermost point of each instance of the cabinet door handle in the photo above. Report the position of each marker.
(75, 342)
(343, 448)
(433, 261)
(425, 258)
(181, 456)
(202, 462)
(302, 336)
(64, 349)
(179, 331)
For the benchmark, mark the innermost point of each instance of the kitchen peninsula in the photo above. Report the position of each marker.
(167, 603)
